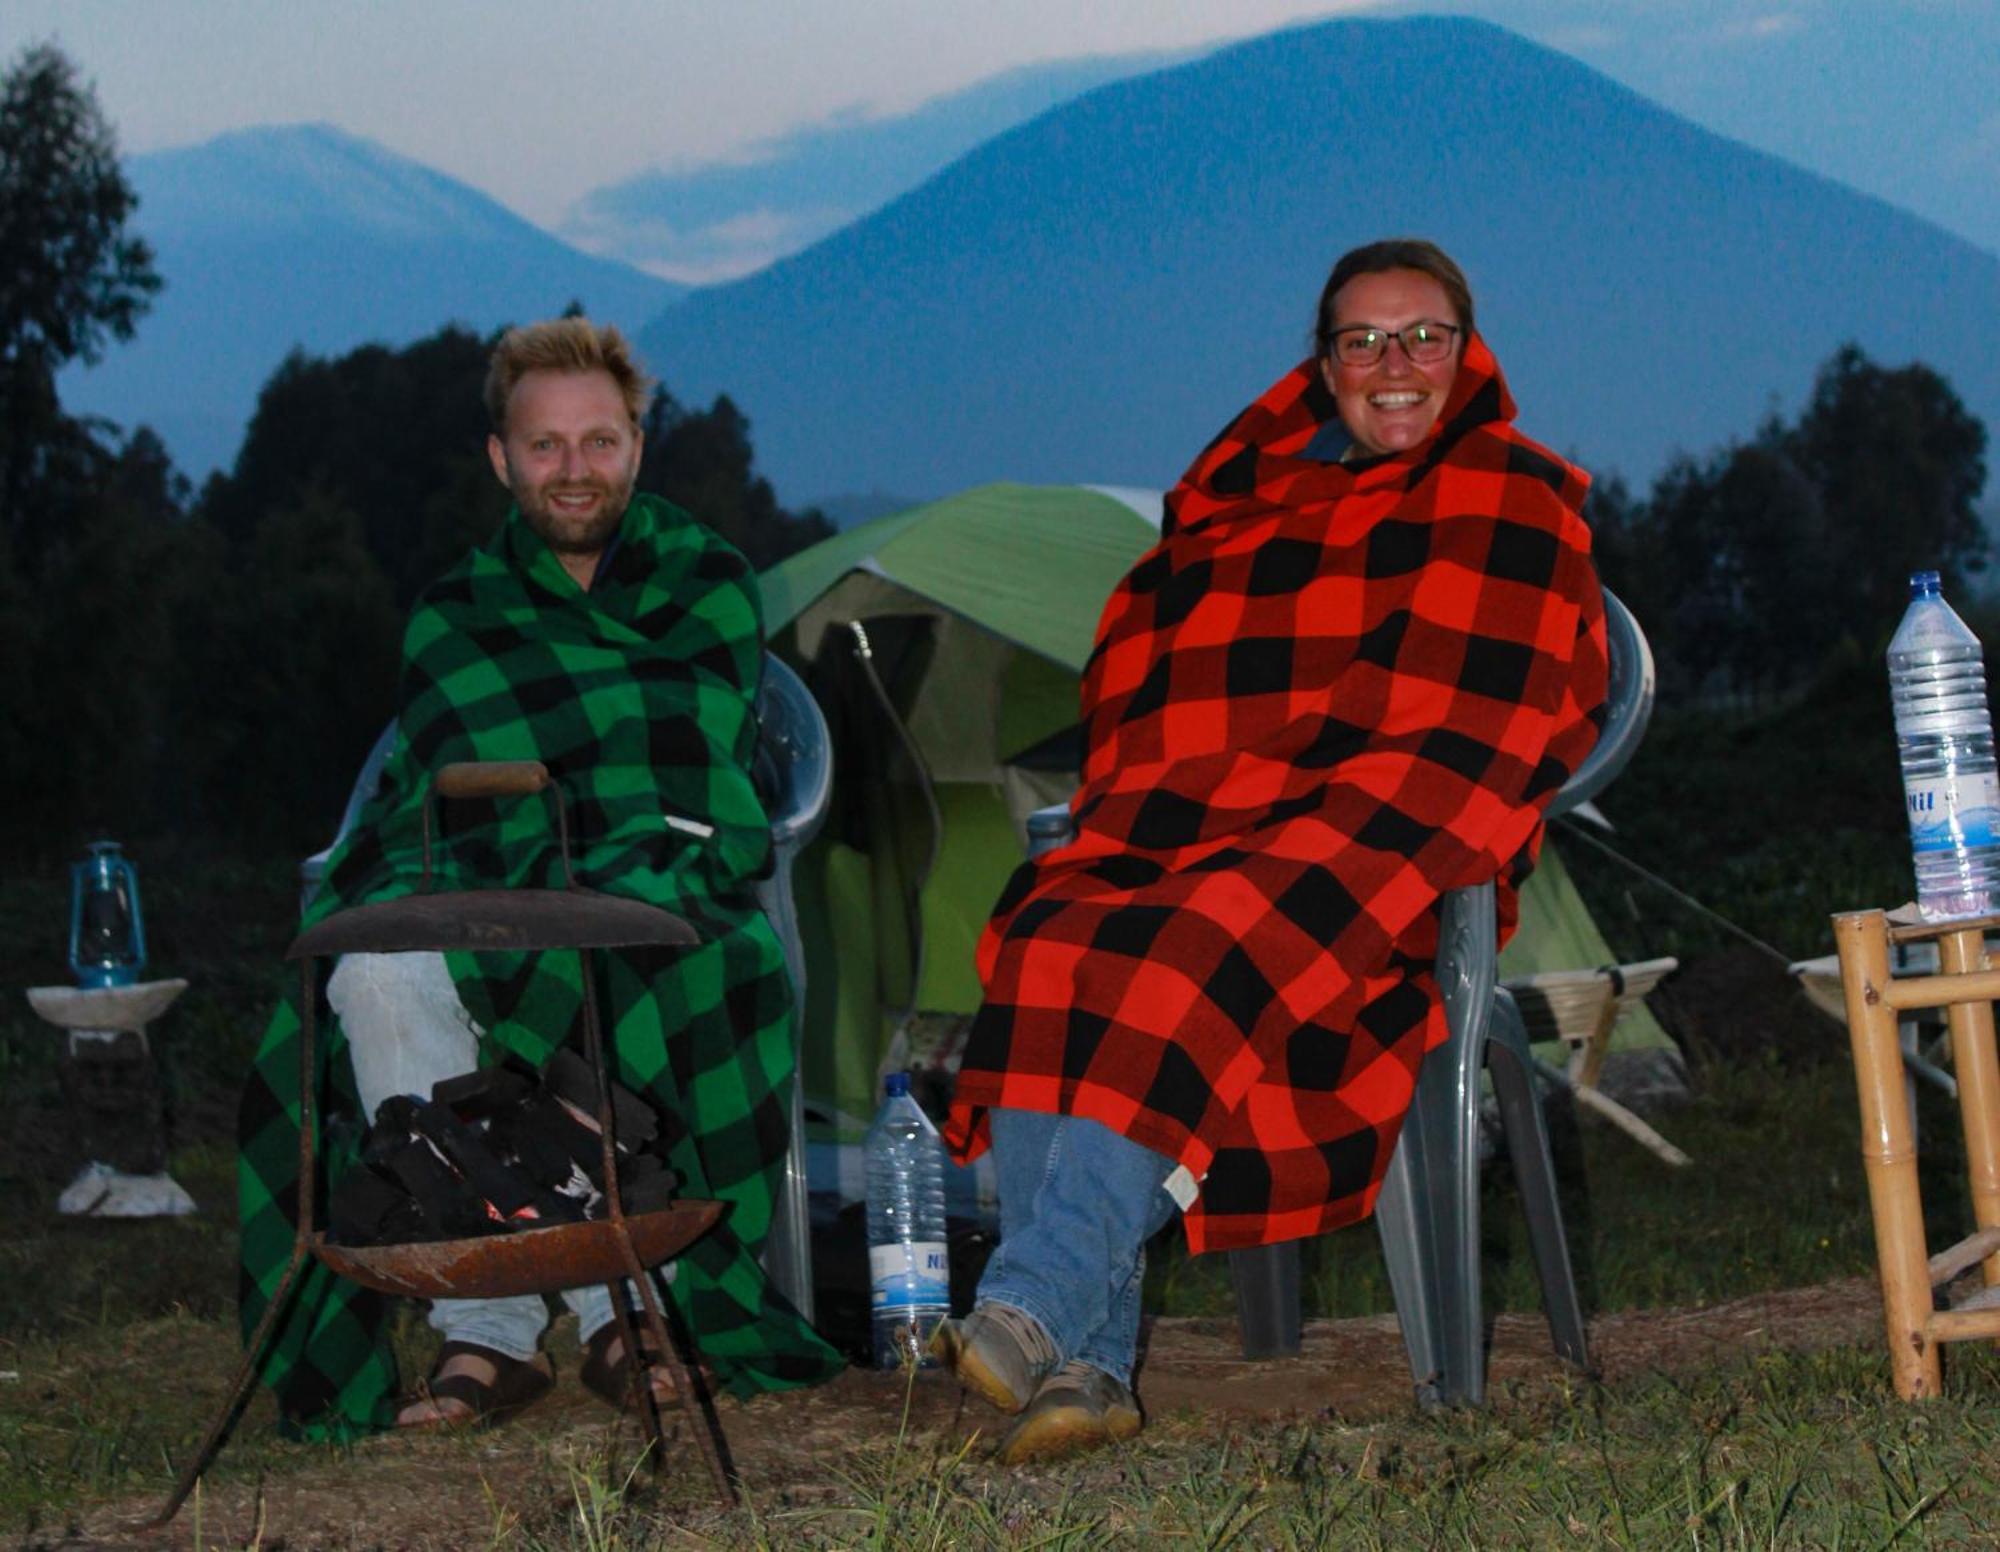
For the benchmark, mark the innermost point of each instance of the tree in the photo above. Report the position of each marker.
(702, 460)
(72, 277)
(1899, 462)
(396, 436)
(1758, 566)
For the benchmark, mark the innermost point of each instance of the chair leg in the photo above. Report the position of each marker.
(1449, 1114)
(1267, 1299)
(1512, 1066)
(246, 1374)
(1410, 1249)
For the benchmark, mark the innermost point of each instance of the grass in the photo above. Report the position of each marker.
(116, 1338)
(1789, 1451)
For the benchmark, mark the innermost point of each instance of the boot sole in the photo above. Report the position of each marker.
(1053, 1433)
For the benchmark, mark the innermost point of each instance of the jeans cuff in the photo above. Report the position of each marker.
(1119, 1369)
(1033, 1310)
(511, 1325)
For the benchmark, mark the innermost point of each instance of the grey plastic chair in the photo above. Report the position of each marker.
(795, 774)
(794, 771)
(1428, 1212)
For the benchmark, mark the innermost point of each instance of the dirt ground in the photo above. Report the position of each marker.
(445, 1491)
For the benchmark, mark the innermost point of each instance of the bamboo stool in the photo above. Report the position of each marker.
(1965, 989)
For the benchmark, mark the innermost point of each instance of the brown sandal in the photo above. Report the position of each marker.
(516, 1383)
(610, 1379)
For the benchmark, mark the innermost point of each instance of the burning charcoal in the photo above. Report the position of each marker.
(450, 1209)
(510, 1194)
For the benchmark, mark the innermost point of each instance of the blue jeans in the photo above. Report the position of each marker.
(1077, 1204)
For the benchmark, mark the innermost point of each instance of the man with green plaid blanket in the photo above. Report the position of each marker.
(618, 642)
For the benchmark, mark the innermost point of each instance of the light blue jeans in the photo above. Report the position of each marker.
(1077, 1204)
(406, 1029)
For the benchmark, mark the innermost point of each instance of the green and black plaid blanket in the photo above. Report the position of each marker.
(638, 697)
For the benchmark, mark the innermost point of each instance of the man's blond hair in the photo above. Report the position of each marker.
(563, 345)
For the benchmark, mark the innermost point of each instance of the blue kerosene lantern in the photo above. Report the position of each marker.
(107, 935)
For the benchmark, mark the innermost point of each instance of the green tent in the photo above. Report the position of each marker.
(953, 711)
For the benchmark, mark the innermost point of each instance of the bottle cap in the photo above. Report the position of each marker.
(896, 1084)
(1924, 584)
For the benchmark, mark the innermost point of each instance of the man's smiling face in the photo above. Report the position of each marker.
(570, 455)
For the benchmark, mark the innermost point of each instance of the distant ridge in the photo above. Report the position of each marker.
(731, 218)
(305, 235)
(1088, 296)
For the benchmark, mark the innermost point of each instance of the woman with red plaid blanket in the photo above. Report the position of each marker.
(1342, 684)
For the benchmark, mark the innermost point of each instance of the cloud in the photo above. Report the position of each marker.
(1758, 29)
(705, 253)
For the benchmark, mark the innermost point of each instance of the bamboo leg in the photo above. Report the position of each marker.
(1887, 1154)
(1978, 1068)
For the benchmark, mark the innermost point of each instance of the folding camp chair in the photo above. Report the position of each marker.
(1581, 1008)
(1428, 1212)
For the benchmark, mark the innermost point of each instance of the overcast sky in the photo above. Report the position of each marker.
(537, 101)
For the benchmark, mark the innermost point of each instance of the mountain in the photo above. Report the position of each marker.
(1090, 295)
(1803, 83)
(722, 220)
(306, 236)
(1896, 99)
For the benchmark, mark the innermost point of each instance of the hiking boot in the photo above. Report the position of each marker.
(997, 1351)
(1077, 1408)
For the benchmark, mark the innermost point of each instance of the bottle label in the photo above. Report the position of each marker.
(1951, 811)
(905, 1275)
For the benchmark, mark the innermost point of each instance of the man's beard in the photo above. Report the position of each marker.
(570, 533)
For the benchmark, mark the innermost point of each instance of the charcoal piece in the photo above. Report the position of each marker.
(511, 1194)
(547, 1116)
(549, 1146)
(478, 1096)
(448, 1206)
(645, 1184)
(369, 1208)
(568, 1076)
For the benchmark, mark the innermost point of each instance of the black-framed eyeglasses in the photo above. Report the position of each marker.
(1361, 344)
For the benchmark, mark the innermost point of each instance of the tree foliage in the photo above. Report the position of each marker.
(72, 277)
(701, 460)
(1753, 568)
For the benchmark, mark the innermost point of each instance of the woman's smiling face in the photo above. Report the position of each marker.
(1392, 404)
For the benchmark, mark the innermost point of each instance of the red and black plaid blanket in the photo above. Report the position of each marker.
(1331, 693)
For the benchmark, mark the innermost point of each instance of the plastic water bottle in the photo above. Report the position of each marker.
(1944, 735)
(909, 1275)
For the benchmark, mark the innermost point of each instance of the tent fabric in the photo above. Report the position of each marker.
(1017, 575)
(1030, 564)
